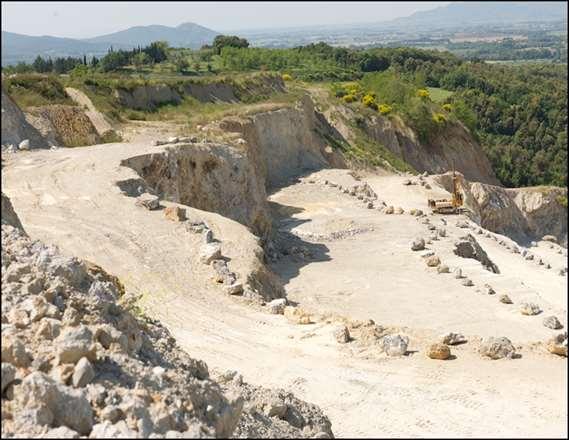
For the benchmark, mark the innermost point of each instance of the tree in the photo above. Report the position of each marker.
(222, 41)
(157, 51)
(373, 63)
(140, 59)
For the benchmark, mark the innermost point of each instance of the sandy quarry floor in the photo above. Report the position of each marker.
(68, 197)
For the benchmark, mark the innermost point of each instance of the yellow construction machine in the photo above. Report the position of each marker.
(452, 206)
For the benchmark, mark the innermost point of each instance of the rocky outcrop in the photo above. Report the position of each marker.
(288, 142)
(468, 247)
(9, 216)
(150, 96)
(15, 128)
(63, 125)
(98, 120)
(524, 214)
(453, 146)
(208, 176)
(147, 97)
(76, 363)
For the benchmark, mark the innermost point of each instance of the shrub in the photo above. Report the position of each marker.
(447, 107)
(423, 94)
(439, 118)
(349, 98)
(385, 109)
(339, 92)
(369, 101)
(287, 77)
(110, 136)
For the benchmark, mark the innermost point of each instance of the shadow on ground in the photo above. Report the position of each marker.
(292, 252)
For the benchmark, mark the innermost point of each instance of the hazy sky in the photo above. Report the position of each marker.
(88, 19)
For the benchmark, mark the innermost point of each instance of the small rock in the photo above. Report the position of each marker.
(529, 309)
(18, 318)
(489, 290)
(8, 375)
(418, 244)
(458, 273)
(210, 252)
(406, 182)
(505, 299)
(395, 345)
(558, 344)
(14, 352)
(399, 210)
(443, 268)
(148, 201)
(433, 261)
(552, 322)
(75, 343)
(277, 306)
(550, 238)
(175, 213)
(497, 348)
(234, 289)
(389, 210)
(453, 338)
(342, 334)
(438, 351)
(370, 205)
(297, 315)
(83, 373)
(208, 236)
(24, 145)
(276, 408)
(467, 282)
(172, 140)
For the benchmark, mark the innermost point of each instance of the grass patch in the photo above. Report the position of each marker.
(34, 90)
(439, 95)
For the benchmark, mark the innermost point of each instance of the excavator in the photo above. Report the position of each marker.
(452, 206)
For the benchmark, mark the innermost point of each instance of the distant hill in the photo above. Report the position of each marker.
(185, 35)
(477, 13)
(18, 47)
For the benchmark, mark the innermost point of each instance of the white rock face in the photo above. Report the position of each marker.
(15, 128)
